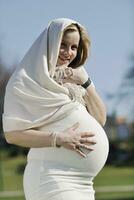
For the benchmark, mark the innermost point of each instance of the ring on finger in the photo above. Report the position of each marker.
(69, 72)
(77, 146)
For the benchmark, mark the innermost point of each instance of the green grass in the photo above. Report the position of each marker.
(12, 198)
(102, 196)
(115, 196)
(115, 176)
(11, 179)
(109, 176)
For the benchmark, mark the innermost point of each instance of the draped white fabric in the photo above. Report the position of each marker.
(32, 97)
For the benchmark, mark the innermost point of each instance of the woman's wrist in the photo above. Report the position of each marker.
(86, 83)
(58, 141)
(55, 140)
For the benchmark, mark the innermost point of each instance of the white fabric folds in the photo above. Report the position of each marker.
(32, 97)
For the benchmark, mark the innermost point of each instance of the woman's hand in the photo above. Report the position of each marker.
(74, 140)
(77, 76)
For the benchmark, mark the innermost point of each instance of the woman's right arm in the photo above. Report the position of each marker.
(29, 138)
(68, 138)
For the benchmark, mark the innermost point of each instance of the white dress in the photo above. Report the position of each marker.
(62, 174)
(33, 99)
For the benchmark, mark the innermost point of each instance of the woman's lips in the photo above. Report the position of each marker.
(64, 59)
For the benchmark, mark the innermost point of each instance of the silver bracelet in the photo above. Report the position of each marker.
(53, 140)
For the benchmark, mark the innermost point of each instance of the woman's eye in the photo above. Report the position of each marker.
(74, 47)
(62, 45)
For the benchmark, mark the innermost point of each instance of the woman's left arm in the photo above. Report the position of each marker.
(95, 105)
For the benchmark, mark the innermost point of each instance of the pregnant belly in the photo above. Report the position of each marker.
(70, 159)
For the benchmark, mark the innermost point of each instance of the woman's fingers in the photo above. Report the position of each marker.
(86, 147)
(87, 134)
(74, 148)
(88, 140)
(80, 152)
(78, 141)
(67, 80)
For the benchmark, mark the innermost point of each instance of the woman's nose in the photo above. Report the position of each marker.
(68, 52)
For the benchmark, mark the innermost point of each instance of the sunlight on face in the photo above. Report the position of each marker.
(69, 47)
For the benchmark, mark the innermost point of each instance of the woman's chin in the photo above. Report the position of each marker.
(63, 63)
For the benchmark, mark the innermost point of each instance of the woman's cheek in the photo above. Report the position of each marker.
(74, 56)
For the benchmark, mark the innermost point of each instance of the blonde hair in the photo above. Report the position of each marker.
(84, 44)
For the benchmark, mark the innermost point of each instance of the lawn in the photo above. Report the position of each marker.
(12, 198)
(109, 176)
(113, 176)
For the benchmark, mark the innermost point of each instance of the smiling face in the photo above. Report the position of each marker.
(69, 47)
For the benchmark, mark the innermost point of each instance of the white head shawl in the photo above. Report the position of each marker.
(32, 97)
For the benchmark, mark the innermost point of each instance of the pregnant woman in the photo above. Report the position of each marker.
(52, 107)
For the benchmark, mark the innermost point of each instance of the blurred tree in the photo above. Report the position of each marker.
(123, 98)
(123, 109)
(126, 91)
